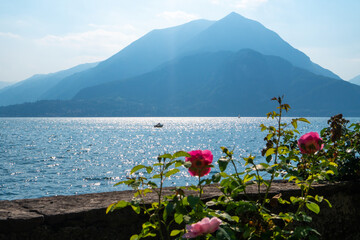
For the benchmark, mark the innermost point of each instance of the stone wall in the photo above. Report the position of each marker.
(83, 216)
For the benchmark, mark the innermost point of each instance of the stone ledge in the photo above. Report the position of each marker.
(84, 215)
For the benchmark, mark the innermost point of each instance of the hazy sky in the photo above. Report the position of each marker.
(43, 36)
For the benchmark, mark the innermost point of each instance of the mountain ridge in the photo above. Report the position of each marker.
(225, 84)
(159, 46)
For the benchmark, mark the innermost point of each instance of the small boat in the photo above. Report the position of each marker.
(159, 125)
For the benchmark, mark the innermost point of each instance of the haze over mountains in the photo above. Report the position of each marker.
(202, 68)
(34, 88)
(355, 80)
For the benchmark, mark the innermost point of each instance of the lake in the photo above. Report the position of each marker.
(66, 156)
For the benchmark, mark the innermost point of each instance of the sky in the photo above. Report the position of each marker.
(44, 36)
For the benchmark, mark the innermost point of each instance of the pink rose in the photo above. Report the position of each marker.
(203, 227)
(310, 143)
(200, 160)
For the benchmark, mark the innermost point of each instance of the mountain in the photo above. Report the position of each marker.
(33, 88)
(223, 83)
(139, 57)
(226, 83)
(235, 32)
(231, 33)
(4, 84)
(355, 80)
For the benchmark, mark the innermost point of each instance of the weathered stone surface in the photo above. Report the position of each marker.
(83, 216)
(14, 217)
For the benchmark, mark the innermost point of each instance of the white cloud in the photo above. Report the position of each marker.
(99, 39)
(178, 15)
(9, 35)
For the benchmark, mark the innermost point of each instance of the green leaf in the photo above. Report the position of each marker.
(248, 178)
(110, 208)
(149, 169)
(152, 184)
(319, 198)
(328, 202)
(225, 150)
(175, 232)
(157, 176)
(264, 165)
(269, 152)
(193, 201)
(172, 172)
(134, 237)
(127, 182)
(223, 162)
(235, 218)
(158, 164)
(167, 155)
(180, 154)
(303, 120)
(178, 217)
(148, 225)
(136, 209)
(313, 207)
(119, 204)
(179, 163)
(168, 210)
(224, 175)
(294, 123)
(295, 200)
(216, 177)
(137, 168)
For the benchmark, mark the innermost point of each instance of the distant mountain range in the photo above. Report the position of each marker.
(35, 87)
(202, 68)
(355, 80)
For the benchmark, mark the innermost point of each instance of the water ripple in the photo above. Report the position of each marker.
(63, 156)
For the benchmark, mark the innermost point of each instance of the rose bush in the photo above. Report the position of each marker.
(234, 215)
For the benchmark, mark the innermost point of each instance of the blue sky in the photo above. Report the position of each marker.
(43, 36)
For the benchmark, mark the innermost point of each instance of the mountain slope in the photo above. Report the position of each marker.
(4, 84)
(208, 84)
(231, 33)
(139, 57)
(235, 32)
(355, 80)
(32, 89)
(227, 83)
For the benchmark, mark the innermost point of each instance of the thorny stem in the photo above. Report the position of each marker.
(258, 182)
(301, 205)
(200, 188)
(159, 200)
(276, 156)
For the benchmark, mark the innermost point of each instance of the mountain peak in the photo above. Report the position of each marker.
(234, 14)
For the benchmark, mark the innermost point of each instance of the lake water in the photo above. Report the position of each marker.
(65, 156)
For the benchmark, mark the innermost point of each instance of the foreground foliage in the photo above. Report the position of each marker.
(304, 161)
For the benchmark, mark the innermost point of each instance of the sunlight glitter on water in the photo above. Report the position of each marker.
(65, 156)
